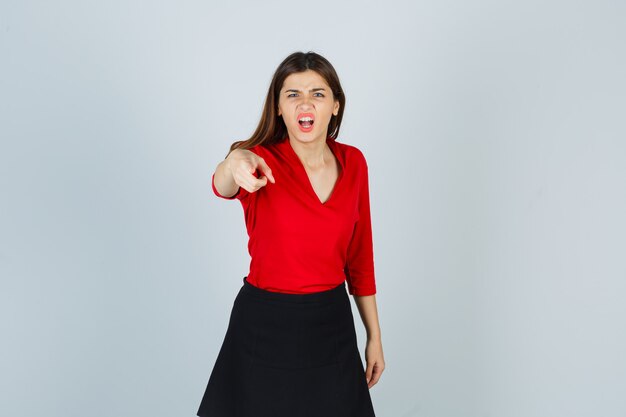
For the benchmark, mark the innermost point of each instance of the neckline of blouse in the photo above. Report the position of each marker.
(333, 148)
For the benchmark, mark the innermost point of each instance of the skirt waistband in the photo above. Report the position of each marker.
(327, 295)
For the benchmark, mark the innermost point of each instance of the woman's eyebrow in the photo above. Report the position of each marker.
(297, 91)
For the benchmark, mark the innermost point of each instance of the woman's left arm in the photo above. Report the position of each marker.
(368, 311)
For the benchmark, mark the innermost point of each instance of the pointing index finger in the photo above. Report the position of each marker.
(267, 171)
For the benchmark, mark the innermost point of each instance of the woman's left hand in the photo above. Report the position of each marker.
(375, 361)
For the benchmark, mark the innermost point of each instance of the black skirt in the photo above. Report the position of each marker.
(288, 355)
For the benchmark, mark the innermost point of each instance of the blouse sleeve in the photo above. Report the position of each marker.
(359, 267)
(240, 194)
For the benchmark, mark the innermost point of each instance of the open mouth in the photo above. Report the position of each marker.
(306, 121)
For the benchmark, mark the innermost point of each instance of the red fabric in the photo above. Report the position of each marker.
(299, 245)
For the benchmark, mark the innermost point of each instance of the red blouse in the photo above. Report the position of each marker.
(299, 244)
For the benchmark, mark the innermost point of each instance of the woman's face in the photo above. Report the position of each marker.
(306, 94)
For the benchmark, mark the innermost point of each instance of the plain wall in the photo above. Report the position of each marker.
(495, 138)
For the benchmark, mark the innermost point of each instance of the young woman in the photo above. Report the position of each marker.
(290, 349)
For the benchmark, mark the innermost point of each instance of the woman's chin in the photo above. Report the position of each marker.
(301, 136)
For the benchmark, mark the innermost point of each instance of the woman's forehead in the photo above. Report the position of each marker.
(304, 80)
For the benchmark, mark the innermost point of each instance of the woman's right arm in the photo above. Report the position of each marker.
(223, 179)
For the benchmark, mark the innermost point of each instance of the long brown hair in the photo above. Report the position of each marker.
(271, 127)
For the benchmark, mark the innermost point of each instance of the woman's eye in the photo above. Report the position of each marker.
(294, 94)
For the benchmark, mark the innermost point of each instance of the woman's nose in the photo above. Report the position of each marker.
(305, 102)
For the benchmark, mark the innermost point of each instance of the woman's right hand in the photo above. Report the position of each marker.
(243, 164)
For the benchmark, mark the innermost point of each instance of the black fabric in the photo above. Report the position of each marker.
(288, 355)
